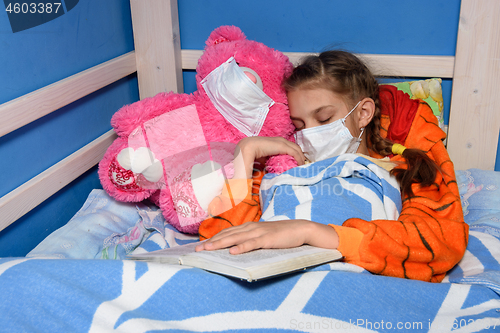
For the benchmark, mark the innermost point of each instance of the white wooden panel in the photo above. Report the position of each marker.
(190, 58)
(157, 46)
(475, 107)
(410, 65)
(380, 64)
(29, 195)
(25, 109)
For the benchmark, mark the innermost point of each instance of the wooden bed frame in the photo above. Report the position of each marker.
(474, 122)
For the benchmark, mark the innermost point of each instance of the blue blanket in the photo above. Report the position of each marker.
(331, 191)
(68, 295)
(62, 295)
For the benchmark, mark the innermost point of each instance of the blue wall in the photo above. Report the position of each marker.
(90, 33)
(363, 26)
(97, 30)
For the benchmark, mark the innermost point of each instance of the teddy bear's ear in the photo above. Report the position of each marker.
(226, 33)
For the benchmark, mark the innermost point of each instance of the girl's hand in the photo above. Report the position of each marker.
(267, 146)
(272, 235)
(256, 147)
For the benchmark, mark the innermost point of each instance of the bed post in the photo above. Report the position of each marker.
(475, 106)
(157, 46)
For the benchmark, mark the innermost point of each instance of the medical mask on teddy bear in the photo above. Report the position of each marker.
(237, 97)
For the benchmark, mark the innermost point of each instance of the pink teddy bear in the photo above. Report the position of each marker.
(176, 149)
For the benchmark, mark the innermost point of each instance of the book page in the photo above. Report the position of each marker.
(261, 257)
(170, 255)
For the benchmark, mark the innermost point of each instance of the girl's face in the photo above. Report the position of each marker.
(316, 107)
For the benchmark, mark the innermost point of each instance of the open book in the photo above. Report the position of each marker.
(251, 266)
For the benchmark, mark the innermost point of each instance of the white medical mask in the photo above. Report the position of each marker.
(237, 98)
(325, 141)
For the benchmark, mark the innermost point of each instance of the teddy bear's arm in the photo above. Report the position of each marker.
(131, 116)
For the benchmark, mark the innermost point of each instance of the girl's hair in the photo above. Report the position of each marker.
(345, 74)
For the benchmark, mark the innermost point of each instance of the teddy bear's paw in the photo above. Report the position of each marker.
(122, 179)
(207, 181)
(280, 163)
(186, 205)
(141, 161)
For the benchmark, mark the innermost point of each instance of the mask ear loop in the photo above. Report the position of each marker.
(361, 134)
(347, 115)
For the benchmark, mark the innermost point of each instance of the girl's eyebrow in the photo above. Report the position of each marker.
(321, 108)
(315, 111)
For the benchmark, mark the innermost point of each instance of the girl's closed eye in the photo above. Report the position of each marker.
(327, 120)
(299, 125)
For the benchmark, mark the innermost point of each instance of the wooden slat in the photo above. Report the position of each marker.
(27, 196)
(45, 100)
(157, 46)
(380, 64)
(190, 58)
(25, 109)
(475, 107)
(410, 65)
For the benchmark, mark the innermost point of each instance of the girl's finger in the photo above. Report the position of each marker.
(232, 230)
(296, 152)
(228, 237)
(237, 237)
(246, 246)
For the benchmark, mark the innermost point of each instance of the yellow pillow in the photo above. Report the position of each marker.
(428, 90)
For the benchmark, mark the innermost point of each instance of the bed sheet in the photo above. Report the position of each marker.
(65, 295)
(55, 295)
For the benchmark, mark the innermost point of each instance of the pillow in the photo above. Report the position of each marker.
(108, 229)
(102, 228)
(428, 90)
(480, 195)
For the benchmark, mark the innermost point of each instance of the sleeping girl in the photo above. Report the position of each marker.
(374, 179)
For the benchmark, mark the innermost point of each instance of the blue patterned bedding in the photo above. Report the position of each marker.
(360, 189)
(68, 295)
